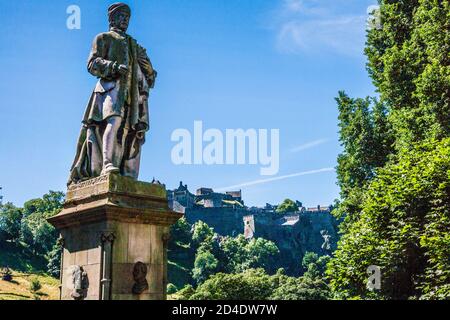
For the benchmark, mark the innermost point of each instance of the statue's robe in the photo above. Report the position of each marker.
(115, 95)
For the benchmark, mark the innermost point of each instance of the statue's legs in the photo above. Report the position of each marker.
(111, 150)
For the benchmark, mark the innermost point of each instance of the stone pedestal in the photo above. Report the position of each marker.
(114, 233)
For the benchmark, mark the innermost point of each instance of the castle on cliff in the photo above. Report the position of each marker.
(310, 229)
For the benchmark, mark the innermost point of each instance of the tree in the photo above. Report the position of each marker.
(303, 288)
(366, 136)
(180, 233)
(256, 284)
(204, 266)
(10, 218)
(249, 285)
(31, 236)
(409, 65)
(186, 293)
(201, 233)
(395, 201)
(314, 265)
(49, 205)
(171, 288)
(312, 285)
(233, 255)
(54, 261)
(239, 254)
(403, 228)
(287, 206)
(263, 254)
(37, 233)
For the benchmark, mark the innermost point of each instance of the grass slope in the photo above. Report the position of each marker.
(19, 287)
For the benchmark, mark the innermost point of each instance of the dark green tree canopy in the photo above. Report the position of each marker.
(394, 171)
(287, 206)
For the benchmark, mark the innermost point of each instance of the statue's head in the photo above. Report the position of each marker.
(139, 276)
(139, 272)
(119, 16)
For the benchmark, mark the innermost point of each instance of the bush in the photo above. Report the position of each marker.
(253, 284)
(35, 285)
(171, 288)
(186, 293)
(54, 261)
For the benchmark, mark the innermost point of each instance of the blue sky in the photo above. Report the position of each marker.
(263, 64)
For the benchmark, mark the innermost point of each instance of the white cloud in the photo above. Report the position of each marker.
(317, 26)
(308, 145)
(262, 181)
(313, 7)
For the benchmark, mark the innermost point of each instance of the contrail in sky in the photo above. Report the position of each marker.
(309, 145)
(262, 181)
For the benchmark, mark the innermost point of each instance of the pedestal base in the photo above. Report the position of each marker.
(114, 240)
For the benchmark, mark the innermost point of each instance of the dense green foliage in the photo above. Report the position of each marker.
(409, 64)
(287, 206)
(171, 288)
(27, 238)
(10, 218)
(403, 227)
(256, 284)
(394, 172)
(214, 253)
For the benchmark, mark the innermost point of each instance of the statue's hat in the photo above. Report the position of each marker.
(118, 6)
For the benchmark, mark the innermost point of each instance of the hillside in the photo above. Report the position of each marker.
(26, 267)
(19, 287)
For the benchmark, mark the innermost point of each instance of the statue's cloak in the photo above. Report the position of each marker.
(115, 95)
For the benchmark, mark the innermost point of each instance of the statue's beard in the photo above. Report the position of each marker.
(119, 26)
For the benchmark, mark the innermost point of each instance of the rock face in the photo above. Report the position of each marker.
(308, 230)
(294, 234)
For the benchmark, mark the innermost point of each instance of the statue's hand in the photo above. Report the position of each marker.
(122, 70)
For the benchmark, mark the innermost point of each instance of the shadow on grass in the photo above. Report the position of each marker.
(14, 295)
(11, 281)
(41, 294)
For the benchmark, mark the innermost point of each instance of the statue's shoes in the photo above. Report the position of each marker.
(110, 169)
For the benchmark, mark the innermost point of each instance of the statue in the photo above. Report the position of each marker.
(79, 282)
(139, 276)
(117, 116)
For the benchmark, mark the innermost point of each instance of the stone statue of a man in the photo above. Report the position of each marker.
(117, 116)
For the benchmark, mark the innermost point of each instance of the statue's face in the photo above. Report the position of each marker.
(139, 272)
(121, 20)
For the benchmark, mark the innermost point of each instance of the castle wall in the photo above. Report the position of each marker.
(225, 221)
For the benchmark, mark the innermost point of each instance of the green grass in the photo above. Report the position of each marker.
(19, 288)
(25, 266)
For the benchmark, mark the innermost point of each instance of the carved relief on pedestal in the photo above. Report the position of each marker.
(140, 278)
(78, 282)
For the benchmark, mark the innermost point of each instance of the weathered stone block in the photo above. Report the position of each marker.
(109, 224)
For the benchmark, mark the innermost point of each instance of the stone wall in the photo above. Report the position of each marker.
(292, 240)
